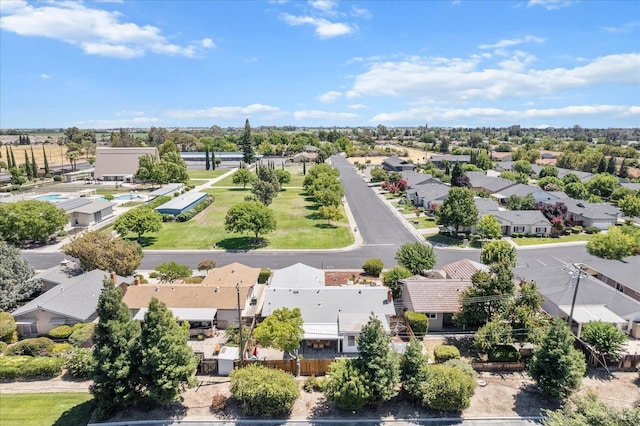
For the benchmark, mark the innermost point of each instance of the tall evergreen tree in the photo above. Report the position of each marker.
(27, 166)
(247, 144)
(207, 164)
(9, 165)
(624, 169)
(47, 172)
(34, 165)
(13, 159)
(456, 174)
(611, 166)
(602, 165)
(165, 360)
(378, 361)
(115, 338)
(213, 160)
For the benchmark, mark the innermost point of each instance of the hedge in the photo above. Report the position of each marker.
(504, 353)
(3, 347)
(39, 346)
(264, 275)
(7, 327)
(81, 363)
(418, 322)
(183, 217)
(82, 336)
(27, 367)
(373, 267)
(61, 349)
(264, 391)
(444, 353)
(61, 332)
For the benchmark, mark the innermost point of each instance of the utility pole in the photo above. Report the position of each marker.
(575, 294)
(240, 323)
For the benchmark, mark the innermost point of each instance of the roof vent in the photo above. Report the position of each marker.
(295, 292)
(157, 289)
(217, 289)
(233, 271)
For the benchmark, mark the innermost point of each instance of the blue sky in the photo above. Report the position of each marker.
(105, 64)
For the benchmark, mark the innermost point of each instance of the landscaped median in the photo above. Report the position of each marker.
(532, 241)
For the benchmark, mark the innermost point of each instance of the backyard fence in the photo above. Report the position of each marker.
(627, 362)
(308, 367)
(498, 366)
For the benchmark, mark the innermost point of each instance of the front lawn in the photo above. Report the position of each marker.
(531, 241)
(24, 409)
(424, 222)
(298, 226)
(206, 174)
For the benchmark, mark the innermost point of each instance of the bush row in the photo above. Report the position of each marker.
(27, 367)
(183, 217)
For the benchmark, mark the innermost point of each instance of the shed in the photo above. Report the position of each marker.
(166, 190)
(182, 203)
(226, 358)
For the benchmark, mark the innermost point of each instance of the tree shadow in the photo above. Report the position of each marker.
(599, 374)
(313, 207)
(529, 401)
(239, 189)
(77, 415)
(242, 243)
(325, 225)
(145, 241)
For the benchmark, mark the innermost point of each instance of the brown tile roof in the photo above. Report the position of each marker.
(186, 296)
(463, 269)
(426, 295)
(231, 274)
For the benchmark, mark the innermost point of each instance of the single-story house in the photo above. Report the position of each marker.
(415, 179)
(232, 274)
(305, 157)
(438, 299)
(583, 176)
(479, 181)
(297, 276)
(72, 301)
(440, 160)
(397, 164)
(583, 213)
(168, 189)
(58, 274)
(621, 275)
(428, 195)
(332, 315)
(463, 269)
(120, 164)
(528, 222)
(85, 212)
(182, 203)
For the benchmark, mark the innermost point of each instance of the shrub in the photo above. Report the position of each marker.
(315, 384)
(504, 353)
(463, 366)
(83, 336)
(347, 387)
(39, 346)
(264, 391)
(153, 274)
(219, 402)
(3, 347)
(62, 233)
(444, 353)
(373, 267)
(27, 367)
(7, 327)
(418, 322)
(264, 276)
(108, 197)
(176, 194)
(61, 349)
(447, 388)
(57, 178)
(193, 280)
(61, 332)
(81, 363)
(592, 230)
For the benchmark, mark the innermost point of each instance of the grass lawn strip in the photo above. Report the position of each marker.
(36, 409)
(296, 178)
(206, 174)
(528, 241)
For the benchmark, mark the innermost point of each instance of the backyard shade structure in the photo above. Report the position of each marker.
(583, 314)
(184, 314)
(166, 190)
(182, 203)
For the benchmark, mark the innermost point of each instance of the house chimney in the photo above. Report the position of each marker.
(114, 278)
(136, 281)
(389, 296)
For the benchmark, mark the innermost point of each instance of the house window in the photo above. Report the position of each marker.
(351, 340)
(97, 217)
(541, 230)
(431, 315)
(518, 229)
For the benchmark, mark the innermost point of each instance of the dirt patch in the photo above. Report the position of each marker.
(336, 278)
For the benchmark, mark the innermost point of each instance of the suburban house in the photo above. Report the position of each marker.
(304, 157)
(415, 179)
(120, 164)
(397, 164)
(462, 269)
(71, 301)
(333, 315)
(621, 275)
(583, 213)
(182, 203)
(169, 190)
(428, 195)
(438, 299)
(440, 160)
(583, 176)
(232, 274)
(85, 212)
(58, 274)
(479, 181)
(528, 222)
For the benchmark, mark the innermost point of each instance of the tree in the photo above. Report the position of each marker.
(27, 166)
(516, 177)
(416, 257)
(602, 165)
(247, 144)
(250, 216)
(447, 388)
(116, 336)
(16, 278)
(413, 361)
(623, 172)
(281, 330)
(458, 209)
(522, 166)
(283, 176)
(605, 338)
(555, 365)
(378, 174)
(148, 170)
(207, 161)
(30, 220)
(266, 186)
(373, 267)
(206, 265)
(603, 185)
(548, 171)
(498, 252)
(588, 410)
(100, 250)
(138, 221)
(47, 172)
(391, 277)
(378, 361)
(551, 183)
(630, 206)
(171, 271)
(347, 386)
(34, 165)
(165, 360)
(489, 227)
(330, 213)
(516, 202)
(615, 244)
(576, 190)
(611, 165)
(173, 168)
(493, 333)
(243, 176)
(264, 391)
(456, 174)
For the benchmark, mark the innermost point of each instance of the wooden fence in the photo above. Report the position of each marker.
(308, 367)
(627, 362)
(498, 366)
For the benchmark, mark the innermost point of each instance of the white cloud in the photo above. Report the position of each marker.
(512, 42)
(323, 5)
(327, 116)
(45, 76)
(324, 28)
(358, 106)
(124, 123)
(360, 12)
(457, 79)
(224, 112)
(500, 115)
(95, 31)
(330, 96)
(622, 28)
(551, 4)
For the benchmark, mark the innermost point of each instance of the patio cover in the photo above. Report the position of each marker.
(583, 314)
(321, 331)
(184, 314)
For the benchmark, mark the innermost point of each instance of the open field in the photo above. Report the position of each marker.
(298, 228)
(529, 241)
(296, 177)
(36, 409)
(55, 154)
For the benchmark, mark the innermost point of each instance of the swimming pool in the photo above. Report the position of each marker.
(56, 198)
(127, 197)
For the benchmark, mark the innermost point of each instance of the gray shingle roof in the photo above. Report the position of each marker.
(521, 217)
(590, 210)
(297, 276)
(488, 183)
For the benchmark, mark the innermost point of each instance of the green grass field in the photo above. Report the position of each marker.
(296, 178)
(528, 241)
(206, 174)
(298, 227)
(423, 222)
(36, 409)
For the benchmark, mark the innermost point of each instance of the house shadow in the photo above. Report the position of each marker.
(242, 243)
(77, 415)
